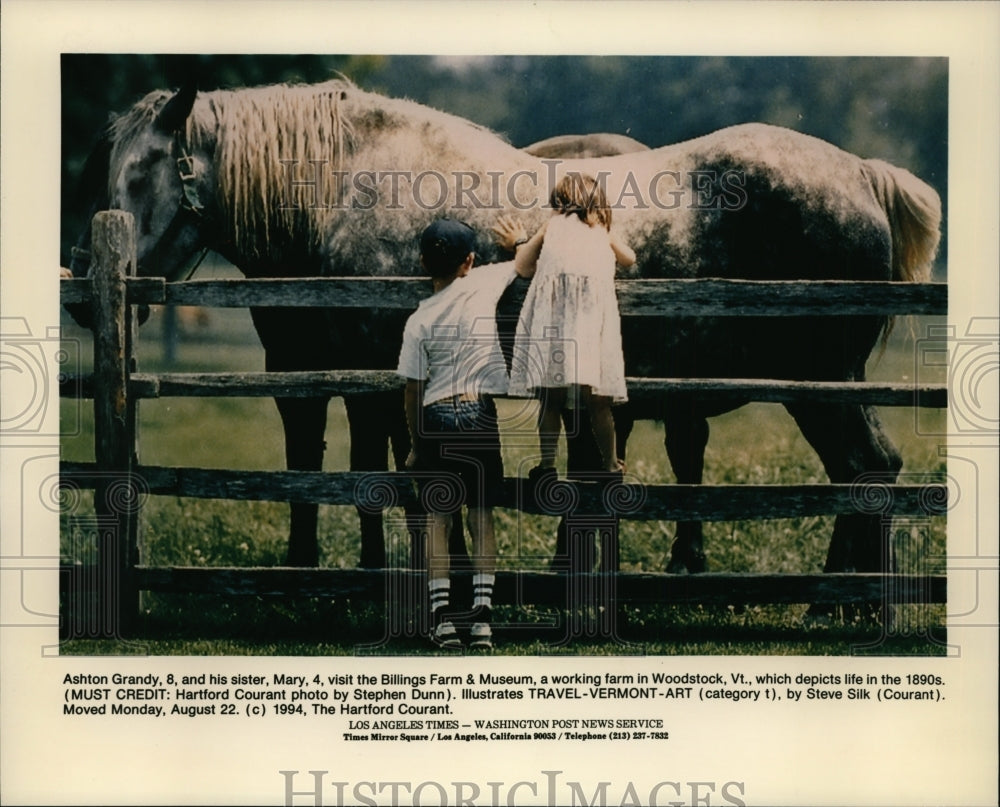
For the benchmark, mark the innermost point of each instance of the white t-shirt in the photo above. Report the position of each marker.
(451, 342)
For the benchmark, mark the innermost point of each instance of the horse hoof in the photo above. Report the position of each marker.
(686, 566)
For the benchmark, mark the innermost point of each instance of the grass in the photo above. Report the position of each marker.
(246, 434)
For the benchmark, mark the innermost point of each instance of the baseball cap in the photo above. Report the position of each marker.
(446, 243)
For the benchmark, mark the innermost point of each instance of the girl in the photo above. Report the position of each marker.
(569, 334)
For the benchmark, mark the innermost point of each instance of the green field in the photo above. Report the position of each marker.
(758, 444)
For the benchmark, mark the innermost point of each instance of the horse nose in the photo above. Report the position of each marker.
(79, 267)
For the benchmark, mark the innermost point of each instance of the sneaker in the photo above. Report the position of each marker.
(481, 632)
(445, 636)
(481, 636)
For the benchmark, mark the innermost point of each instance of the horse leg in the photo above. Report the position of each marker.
(850, 442)
(400, 444)
(369, 452)
(304, 420)
(686, 435)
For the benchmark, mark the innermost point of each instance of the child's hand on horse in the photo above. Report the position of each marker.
(508, 231)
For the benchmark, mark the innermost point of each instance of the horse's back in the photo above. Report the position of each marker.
(756, 202)
(760, 203)
(598, 144)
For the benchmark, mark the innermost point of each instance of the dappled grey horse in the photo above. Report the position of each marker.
(323, 180)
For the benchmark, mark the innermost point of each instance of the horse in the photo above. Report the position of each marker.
(331, 180)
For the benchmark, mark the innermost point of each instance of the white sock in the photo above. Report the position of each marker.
(482, 590)
(440, 591)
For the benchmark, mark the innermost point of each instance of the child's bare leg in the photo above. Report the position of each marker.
(438, 559)
(550, 423)
(484, 542)
(603, 424)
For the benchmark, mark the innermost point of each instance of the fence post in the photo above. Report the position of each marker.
(116, 497)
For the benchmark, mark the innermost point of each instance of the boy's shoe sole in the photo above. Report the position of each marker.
(446, 637)
(481, 636)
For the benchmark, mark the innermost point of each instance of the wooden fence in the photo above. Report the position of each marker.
(120, 481)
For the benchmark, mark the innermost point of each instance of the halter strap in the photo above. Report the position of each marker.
(190, 202)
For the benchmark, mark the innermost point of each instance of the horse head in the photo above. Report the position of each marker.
(146, 164)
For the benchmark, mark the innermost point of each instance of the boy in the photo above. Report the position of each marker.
(453, 365)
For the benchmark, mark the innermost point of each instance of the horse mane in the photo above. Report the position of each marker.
(252, 133)
(267, 140)
(122, 131)
(262, 133)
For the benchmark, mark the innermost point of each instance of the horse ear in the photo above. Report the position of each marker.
(171, 118)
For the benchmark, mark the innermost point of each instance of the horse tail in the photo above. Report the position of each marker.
(914, 211)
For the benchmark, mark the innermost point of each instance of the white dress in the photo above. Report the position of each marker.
(570, 329)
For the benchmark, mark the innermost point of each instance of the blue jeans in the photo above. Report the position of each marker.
(459, 452)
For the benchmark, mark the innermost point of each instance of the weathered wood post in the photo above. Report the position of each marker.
(116, 498)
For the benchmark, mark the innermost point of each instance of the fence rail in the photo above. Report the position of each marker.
(550, 588)
(116, 387)
(645, 298)
(351, 382)
(637, 502)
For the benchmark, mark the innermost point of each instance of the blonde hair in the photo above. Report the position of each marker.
(261, 132)
(583, 195)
